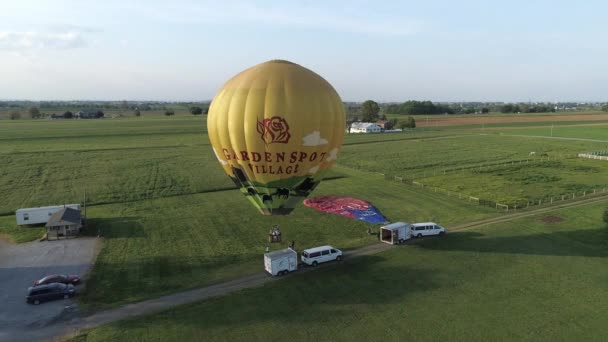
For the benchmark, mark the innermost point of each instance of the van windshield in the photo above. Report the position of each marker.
(305, 254)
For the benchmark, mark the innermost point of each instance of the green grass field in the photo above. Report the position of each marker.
(596, 131)
(169, 215)
(453, 163)
(526, 280)
(158, 246)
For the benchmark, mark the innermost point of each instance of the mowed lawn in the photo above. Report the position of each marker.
(537, 278)
(158, 246)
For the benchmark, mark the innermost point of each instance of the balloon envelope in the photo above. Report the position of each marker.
(348, 207)
(275, 129)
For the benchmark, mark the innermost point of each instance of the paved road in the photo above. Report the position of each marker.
(21, 264)
(71, 327)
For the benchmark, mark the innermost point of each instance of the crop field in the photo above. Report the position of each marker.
(498, 118)
(171, 220)
(540, 278)
(580, 131)
(169, 216)
(434, 155)
(491, 167)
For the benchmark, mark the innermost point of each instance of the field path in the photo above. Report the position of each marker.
(67, 328)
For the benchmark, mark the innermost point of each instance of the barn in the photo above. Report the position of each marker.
(64, 223)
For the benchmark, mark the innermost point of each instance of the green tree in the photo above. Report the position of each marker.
(34, 112)
(68, 115)
(390, 124)
(485, 110)
(14, 115)
(369, 111)
(136, 112)
(605, 107)
(169, 112)
(411, 122)
(196, 110)
(606, 216)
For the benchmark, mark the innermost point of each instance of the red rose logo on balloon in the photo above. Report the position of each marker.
(274, 130)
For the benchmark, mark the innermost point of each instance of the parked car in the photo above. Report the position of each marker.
(317, 255)
(426, 229)
(43, 293)
(59, 278)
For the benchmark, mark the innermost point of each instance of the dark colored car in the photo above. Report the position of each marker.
(43, 293)
(58, 278)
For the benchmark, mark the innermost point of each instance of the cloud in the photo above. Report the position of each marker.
(33, 40)
(314, 139)
(289, 14)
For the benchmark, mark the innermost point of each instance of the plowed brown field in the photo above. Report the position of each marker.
(448, 120)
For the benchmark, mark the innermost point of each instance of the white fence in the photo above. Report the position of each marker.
(592, 156)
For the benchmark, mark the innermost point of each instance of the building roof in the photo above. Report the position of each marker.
(48, 207)
(64, 217)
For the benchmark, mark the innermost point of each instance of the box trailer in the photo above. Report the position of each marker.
(396, 233)
(40, 215)
(281, 262)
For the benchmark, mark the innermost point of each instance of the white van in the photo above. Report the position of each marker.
(317, 255)
(426, 229)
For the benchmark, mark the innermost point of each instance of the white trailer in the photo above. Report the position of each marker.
(396, 233)
(40, 215)
(281, 262)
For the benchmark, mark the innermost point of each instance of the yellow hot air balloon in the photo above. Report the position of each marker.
(275, 128)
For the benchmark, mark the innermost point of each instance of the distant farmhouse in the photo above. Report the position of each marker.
(365, 127)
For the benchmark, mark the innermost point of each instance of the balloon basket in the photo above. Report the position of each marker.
(274, 235)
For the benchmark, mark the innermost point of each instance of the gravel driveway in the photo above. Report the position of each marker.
(21, 265)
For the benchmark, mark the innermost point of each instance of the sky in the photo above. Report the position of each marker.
(388, 51)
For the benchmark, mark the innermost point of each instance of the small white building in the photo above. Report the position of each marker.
(40, 215)
(365, 127)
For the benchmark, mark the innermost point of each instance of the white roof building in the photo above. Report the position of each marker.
(365, 127)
